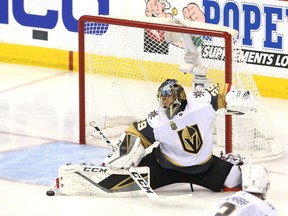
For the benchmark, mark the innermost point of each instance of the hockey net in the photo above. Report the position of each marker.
(122, 62)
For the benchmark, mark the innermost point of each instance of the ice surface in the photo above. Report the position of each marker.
(39, 131)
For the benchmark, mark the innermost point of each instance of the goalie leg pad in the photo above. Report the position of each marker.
(97, 180)
(128, 152)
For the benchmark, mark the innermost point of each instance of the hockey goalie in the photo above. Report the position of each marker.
(181, 126)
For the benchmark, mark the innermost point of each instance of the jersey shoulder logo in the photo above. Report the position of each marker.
(153, 114)
(198, 93)
(191, 139)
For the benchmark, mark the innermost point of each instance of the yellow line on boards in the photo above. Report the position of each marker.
(65, 60)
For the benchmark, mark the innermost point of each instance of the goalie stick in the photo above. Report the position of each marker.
(149, 192)
(93, 124)
(140, 181)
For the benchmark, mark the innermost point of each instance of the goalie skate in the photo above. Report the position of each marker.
(98, 180)
(234, 159)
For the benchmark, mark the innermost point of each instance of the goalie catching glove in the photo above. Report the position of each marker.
(240, 102)
(128, 152)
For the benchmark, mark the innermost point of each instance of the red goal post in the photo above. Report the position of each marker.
(134, 49)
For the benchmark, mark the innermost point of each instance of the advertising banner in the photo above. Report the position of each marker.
(262, 25)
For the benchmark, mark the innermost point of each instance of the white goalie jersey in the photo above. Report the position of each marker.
(244, 204)
(186, 139)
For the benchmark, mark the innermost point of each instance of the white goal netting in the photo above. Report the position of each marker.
(124, 60)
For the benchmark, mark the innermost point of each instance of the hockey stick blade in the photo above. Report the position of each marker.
(149, 192)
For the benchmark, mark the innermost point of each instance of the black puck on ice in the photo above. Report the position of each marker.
(50, 193)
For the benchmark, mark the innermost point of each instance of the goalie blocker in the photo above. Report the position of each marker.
(240, 102)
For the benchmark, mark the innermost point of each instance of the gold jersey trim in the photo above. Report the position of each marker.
(179, 165)
(132, 130)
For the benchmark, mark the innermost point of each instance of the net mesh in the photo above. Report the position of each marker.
(125, 64)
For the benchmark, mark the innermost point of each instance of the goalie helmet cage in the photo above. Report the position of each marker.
(122, 62)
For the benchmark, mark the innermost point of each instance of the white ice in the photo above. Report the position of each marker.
(40, 106)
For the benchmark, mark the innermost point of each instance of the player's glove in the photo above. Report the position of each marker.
(128, 152)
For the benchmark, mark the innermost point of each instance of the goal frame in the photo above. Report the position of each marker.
(140, 24)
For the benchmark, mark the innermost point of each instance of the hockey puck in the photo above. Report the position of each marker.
(50, 193)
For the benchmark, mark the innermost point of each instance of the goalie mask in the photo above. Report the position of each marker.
(170, 96)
